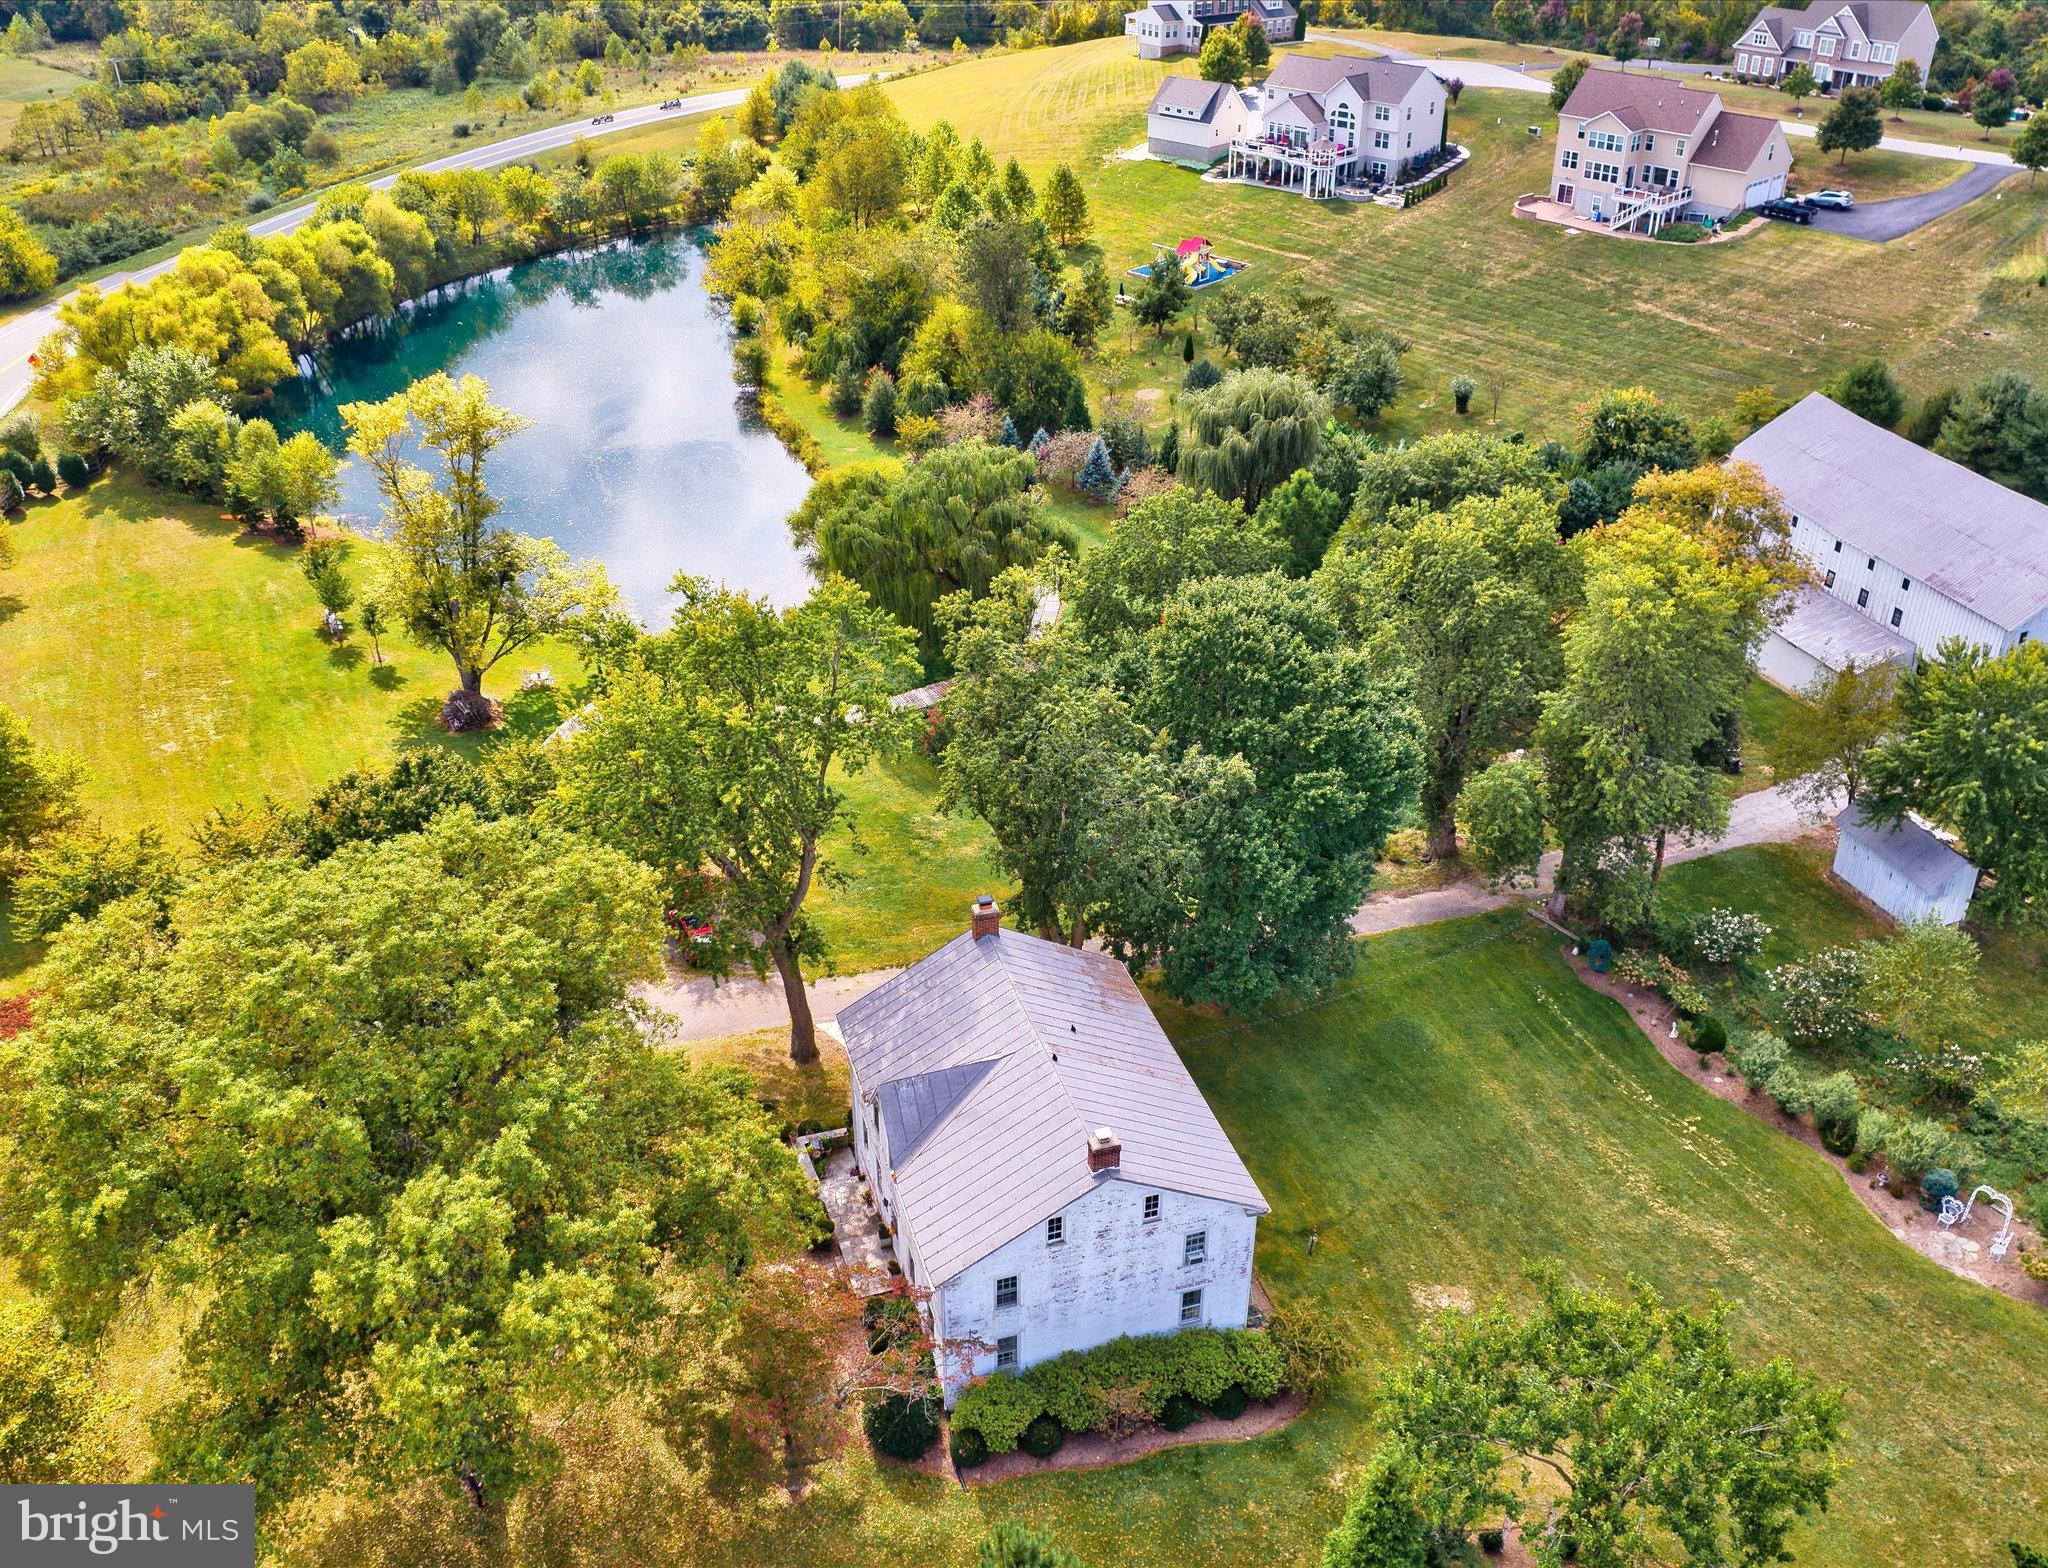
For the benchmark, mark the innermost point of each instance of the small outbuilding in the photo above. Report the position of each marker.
(1903, 868)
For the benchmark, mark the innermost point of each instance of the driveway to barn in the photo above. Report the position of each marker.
(696, 1007)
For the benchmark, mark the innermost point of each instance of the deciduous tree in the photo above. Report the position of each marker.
(457, 583)
(1821, 756)
(717, 757)
(1853, 125)
(1468, 602)
(1901, 89)
(1966, 751)
(1249, 432)
(1657, 1443)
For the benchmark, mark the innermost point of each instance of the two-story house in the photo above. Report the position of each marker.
(1314, 124)
(1853, 45)
(1051, 1174)
(1911, 549)
(1638, 152)
(1170, 27)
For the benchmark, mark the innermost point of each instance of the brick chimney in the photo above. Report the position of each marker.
(987, 919)
(1104, 1152)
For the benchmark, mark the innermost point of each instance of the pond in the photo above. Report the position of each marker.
(641, 456)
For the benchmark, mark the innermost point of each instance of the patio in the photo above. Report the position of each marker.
(855, 1226)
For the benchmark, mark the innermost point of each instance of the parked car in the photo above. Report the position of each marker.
(2021, 113)
(1841, 200)
(1783, 211)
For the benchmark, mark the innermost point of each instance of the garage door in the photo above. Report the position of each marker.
(1761, 191)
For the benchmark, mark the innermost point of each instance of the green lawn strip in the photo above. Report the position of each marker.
(1475, 290)
(1872, 176)
(24, 81)
(1465, 1108)
(900, 883)
(1766, 711)
(796, 1094)
(181, 660)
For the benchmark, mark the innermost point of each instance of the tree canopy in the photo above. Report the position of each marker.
(391, 1117)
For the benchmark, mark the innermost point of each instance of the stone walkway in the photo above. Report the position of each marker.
(854, 1224)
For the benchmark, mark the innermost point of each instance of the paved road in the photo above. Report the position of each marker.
(698, 1008)
(18, 339)
(1887, 220)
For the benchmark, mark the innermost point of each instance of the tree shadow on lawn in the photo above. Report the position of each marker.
(524, 715)
(343, 655)
(11, 605)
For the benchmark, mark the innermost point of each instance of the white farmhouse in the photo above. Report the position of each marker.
(1051, 1173)
(1903, 868)
(1911, 548)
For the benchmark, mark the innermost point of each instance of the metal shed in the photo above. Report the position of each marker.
(1903, 868)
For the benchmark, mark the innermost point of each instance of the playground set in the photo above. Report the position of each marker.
(1198, 263)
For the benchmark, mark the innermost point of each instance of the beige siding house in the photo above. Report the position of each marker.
(1193, 121)
(1854, 45)
(1638, 152)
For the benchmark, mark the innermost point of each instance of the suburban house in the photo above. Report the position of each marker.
(1911, 548)
(1168, 27)
(1638, 152)
(1903, 868)
(1193, 121)
(1312, 125)
(1853, 45)
(1050, 1172)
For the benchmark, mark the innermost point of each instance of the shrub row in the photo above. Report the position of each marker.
(1219, 1368)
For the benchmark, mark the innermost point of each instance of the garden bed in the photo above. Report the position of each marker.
(1094, 1451)
(1901, 1214)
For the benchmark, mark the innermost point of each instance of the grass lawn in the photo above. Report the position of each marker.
(798, 1094)
(1871, 176)
(1477, 291)
(1766, 711)
(24, 81)
(181, 660)
(1465, 1108)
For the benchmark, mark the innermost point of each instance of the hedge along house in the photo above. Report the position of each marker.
(1051, 1174)
(1903, 868)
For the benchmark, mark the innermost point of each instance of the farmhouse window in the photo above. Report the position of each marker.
(1006, 1291)
(1195, 1249)
(1006, 1353)
(1151, 1207)
(1191, 1306)
(1897, 616)
(1862, 598)
(1055, 1231)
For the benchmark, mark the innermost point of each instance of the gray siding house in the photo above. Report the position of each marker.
(1903, 869)
(1050, 1172)
(1913, 545)
(1170, 27)
(1853, 45)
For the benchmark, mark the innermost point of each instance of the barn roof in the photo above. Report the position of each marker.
(1907, 847)
(1834, 633)
(1965, 536)
(991, 1061)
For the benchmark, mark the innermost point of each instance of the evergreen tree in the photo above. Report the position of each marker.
(1098, 475)
(1869, 389)
(1064, 206)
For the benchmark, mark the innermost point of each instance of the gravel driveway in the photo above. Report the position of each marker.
(1887, 220)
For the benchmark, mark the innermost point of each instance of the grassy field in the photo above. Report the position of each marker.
(1462, 1109)
(24, 81)
(180, 659)
(1766, 711)
(1871, 176)
(1556, 316)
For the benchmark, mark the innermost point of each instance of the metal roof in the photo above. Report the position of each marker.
(1965, 536)
(1908, 848)
(1834, 633)
(1058, 1041)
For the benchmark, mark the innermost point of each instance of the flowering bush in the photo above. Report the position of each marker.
(978, 419)
(1820, 1002)
(1726, 936)
(1944, 1072)
(1061, 457)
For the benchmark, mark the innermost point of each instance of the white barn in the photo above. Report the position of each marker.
(1903, 868)
(1051, 1173)
(1915, 548)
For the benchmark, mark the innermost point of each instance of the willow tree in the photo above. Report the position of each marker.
(910, 536)
(1249, 432)
(457, 583)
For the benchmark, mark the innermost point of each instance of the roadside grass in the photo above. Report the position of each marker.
(1476, 290)
(1920, 125)
(1444, 46)
(1871, 176)
(1462, 1109)
(181, 660)
(25, 81)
